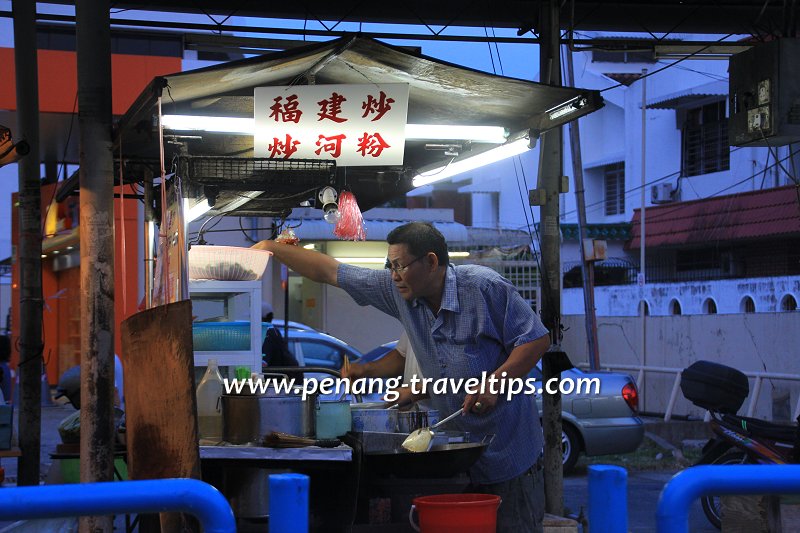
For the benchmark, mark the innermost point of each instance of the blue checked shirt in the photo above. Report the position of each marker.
(481, 320)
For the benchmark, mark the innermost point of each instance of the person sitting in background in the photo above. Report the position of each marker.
(274, 350)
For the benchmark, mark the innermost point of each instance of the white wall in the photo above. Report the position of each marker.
(761, 342)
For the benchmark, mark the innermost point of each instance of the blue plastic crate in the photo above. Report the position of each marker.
(224, 336)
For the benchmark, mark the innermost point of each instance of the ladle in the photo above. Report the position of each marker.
(420, 440)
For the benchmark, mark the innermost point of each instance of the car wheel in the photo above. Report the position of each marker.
(710, 503)
(570, 447)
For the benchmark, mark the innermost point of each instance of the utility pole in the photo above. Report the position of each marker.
(93, 30)
(642, 274)
(30, 244)
(550, 172)
(587, 267)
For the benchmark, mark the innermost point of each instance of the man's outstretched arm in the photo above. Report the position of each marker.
(308, 263)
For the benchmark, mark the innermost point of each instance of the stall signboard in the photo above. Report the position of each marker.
(355, 125)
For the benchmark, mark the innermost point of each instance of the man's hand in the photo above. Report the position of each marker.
(479, 404)
(354, 371)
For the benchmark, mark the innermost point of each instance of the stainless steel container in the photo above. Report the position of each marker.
(248, 418)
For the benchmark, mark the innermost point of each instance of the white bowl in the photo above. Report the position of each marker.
(227, 263)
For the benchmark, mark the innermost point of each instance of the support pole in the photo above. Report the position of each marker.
(587, 267)
(642, 273)
(550, 172)
(30, 244)
(97, 250)
(608, 498)
(149, 239)
(288, 503)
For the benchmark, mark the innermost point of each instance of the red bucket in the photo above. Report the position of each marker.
(456, 513)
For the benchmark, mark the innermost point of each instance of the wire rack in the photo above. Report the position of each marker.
(277, 176)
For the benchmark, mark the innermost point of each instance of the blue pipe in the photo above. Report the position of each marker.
(99, 499)
(672, 515)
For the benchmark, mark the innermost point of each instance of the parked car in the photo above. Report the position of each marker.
(314, 348)
(594, 424)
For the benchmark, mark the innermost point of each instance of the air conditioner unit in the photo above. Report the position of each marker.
(661, 193)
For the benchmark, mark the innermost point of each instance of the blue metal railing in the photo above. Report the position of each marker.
(149, 496)
(672, 515)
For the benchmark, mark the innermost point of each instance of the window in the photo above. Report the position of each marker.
(644, 306)
(319, 354)
(698, 259)
(614, 186)
(747, 305)
(675, 307)
(709, 307)
(788, 303)
(704, 146)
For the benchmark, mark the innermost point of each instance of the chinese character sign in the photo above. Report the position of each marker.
(356, 125)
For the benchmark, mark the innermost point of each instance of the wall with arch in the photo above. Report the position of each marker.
(623, 300)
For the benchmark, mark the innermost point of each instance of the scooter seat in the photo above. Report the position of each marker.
(762, 428)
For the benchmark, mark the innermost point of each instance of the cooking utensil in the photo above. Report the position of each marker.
(421, 439)
(441, 461)
(277, 439)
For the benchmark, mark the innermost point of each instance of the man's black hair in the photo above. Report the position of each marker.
(421, 238)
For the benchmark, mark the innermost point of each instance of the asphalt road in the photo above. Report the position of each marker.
(644, 489)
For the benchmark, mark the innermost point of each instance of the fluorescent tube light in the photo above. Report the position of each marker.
(458, 254)
(469, 162)
(246, 126)
(567, 108)
(240, 126)
(362, 260)
(486, 134)
(196, 211)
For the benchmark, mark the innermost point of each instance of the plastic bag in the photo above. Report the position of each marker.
(351, 223)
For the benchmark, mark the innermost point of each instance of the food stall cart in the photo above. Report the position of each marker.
(246, 166)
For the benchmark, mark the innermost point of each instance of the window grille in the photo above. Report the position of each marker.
(704, 139)
(518, 268)
(614, 184)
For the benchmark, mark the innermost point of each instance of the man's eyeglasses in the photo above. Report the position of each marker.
(401, 269)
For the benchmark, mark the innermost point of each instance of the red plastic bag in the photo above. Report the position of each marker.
(351, 224)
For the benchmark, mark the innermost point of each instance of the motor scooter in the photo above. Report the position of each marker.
(737, 439)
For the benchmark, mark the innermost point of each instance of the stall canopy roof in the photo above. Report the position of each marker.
(439, 93)
(770, 213)
(693, 96)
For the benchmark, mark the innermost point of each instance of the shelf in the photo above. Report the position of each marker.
(229, 292)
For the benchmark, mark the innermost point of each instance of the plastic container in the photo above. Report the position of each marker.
(224, 336)
(333, 419)
(714, 386)
(455, 513)
(227, 263)
(209, 406)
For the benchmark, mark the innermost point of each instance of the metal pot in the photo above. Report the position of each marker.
(408, 421)
(333, 419)
(370, 419)
(250, 417)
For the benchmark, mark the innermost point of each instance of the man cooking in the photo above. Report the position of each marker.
(461, 321)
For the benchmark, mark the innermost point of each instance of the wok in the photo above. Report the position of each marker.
(441, 461)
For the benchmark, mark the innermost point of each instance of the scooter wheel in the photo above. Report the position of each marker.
(710, 503)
